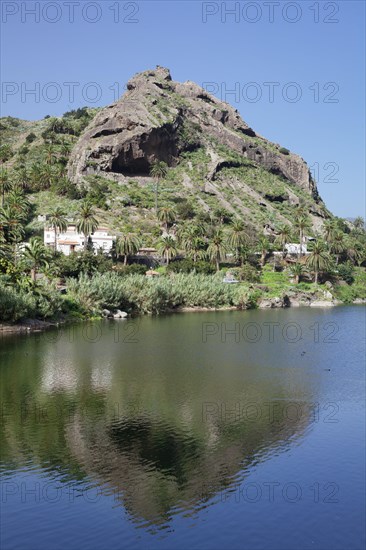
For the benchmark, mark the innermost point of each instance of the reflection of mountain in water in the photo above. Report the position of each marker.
(155, 468)
(136, 422)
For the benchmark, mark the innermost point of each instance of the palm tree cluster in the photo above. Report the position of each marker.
(205, 241)
(14, 214)
(213, 236)
(336, 241)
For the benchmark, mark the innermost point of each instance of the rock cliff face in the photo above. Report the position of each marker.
(159, 119)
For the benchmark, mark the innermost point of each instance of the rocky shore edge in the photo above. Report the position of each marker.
(289, 300)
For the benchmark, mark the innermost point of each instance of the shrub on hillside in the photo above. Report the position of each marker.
(15, 304)
(30, 137)
(64, 187)
(185, 210)
(246, 273)
(346, 272)
(132, 269)
(82, 262)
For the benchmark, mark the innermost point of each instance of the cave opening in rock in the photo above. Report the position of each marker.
(131, 167)
(137, 158)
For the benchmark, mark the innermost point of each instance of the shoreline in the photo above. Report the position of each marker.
(29, 326)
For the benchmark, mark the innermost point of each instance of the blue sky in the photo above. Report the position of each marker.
(309, 54)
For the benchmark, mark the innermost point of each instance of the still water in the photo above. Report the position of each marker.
(206, 430)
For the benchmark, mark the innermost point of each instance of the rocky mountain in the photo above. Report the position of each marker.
(215, 159)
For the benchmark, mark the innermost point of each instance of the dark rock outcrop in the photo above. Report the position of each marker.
(159, 119)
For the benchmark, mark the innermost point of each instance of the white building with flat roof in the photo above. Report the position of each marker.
(294, 248)
(71, 241)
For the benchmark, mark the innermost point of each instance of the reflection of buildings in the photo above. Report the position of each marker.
(66, 370)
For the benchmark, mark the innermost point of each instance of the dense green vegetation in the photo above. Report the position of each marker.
(196, 247)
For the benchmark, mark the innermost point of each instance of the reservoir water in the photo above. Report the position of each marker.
(205, 430)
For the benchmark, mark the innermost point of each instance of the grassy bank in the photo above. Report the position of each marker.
(88, 295)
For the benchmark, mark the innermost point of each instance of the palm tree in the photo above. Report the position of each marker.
(337, 245)
(318, 259)
(18, 202)
(12, 227)
(35, 174)
(264, 247)
(37, 255)
(329, 229)
(127, 245)
(167, 247)
(65, 148)
(301, 211)
(50, 155)
(22, 178)
(5, 184)
(302, 224)
(58, 222)
(46, 177)
(359, 224)
(238, 239)
(217, 247)
(283, 237)
(5, 153)
(354, 251)
(296, 271)
(219, 214)
(158, 171)
(86, 221)
(190, 238)
(167, 215)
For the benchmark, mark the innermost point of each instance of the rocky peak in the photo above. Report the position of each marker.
(160, 119)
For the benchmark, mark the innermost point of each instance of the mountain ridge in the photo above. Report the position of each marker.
(158, 119)
(215, 159)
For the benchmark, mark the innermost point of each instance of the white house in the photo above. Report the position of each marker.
(72, 241)
(294, 248)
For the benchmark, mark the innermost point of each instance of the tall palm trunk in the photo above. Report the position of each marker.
(125, 259)
(156, 196)
(316, 277)
(300, 248)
